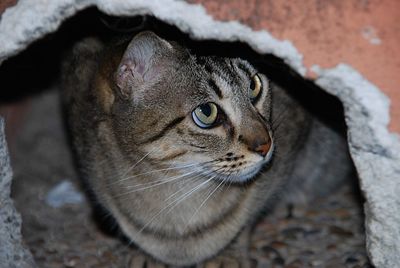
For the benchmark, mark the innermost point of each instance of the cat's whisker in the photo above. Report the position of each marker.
(183, 197)
(164, 179)
(202, 204)
(157, 183)
(276, 126)
(202, 164)
(229, 180)
(199, 175)
(170, 179)
(176, 202)
(277, 121)
(139, 161)
(153, 171)
(129, 169)
(279, 116)
(279, 137)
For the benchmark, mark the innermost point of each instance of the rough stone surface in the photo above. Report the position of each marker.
(374, 150)
(376, 154)
(12, 251)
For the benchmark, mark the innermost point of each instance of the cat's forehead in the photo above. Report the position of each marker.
(200, 79)
(225, 66)
(225, 76)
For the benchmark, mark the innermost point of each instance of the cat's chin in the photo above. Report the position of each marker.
(245, 175)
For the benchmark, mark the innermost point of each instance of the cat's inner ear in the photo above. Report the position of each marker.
(142, 62)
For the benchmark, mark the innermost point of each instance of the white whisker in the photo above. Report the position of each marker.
(163, 180)
(191, 179)
(149, 185)
(138, 162)
(176, 202)
(152, 171)
(202, 204)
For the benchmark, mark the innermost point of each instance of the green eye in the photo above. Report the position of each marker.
(205, 115)
(255, 87)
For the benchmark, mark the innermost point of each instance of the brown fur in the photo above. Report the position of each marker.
(115, 118)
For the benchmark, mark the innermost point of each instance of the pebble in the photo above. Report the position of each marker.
(340, 231)
(63, 194)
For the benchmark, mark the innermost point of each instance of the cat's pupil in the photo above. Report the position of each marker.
(206, 109)
(252, 85)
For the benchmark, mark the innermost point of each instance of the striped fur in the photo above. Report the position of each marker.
(180, 192)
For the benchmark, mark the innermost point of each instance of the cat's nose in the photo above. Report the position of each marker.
(256, 137)
(263, 149)
(261, 146)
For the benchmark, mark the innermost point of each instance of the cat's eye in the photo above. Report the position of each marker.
(255, 88)
(205, 115)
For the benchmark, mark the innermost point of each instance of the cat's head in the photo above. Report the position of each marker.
(208, 115)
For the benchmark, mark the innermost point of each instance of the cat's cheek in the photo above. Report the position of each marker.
(263, 106)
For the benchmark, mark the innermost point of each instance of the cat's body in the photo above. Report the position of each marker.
(180, 191)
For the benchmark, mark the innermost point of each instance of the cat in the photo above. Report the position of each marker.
(185, 151)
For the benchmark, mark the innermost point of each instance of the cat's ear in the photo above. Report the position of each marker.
(142, 62)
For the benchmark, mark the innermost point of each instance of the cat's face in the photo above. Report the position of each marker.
(208, 115)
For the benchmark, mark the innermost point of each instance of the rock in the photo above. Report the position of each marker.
(376, 155)
(63, 194)
(12, 250)
(375, 151)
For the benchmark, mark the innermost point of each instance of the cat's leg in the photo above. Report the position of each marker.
(236, 255)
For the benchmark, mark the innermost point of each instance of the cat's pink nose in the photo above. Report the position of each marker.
(263, 149)
(258, 143)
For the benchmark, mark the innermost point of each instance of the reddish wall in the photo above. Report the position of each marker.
(362, 33)
(6, 3)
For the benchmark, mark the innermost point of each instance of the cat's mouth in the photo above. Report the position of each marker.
(245, 173)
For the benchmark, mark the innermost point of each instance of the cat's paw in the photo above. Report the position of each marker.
(228, 261)
(142, 261)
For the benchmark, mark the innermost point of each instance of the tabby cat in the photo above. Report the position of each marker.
(181, 149)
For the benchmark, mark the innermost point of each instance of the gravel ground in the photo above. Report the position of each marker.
(328, 234)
